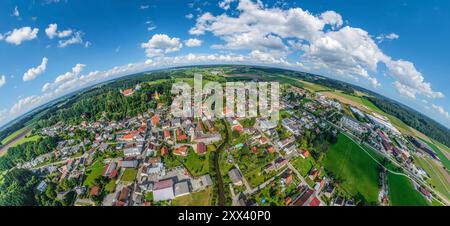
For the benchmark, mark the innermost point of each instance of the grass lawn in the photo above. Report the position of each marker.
(149, 197)
(303, 165)
(13, 135)
(129, 175)
(197, 164)
(201, 198)
(403, 193)
(110, 187)
(356, 171)
(255, 177)
(95, 171)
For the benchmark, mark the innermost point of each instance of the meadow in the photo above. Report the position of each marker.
(356, 171)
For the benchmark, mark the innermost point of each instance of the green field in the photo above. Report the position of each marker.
(197, 164)
(25, 140)
(13, 135)
(129, 175)
(403, 193)
(303, 165)
(95, 171)
(354, 169)
(201, 198)
(442, 146)
(437, 179)
(439, 153)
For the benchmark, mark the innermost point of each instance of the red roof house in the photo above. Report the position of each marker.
(95, 191)
(201, 148)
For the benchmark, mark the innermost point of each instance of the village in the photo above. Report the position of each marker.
(157, 159)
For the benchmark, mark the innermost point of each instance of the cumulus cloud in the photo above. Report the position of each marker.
(2, 80)
(52, 31)
(32, 73)
(192, 42)
(66, 37)
(323, 43)
(225, 4)
(410, 78)
(19, 35)
(161, 44)
(61, 79)
(441, 110)
(75, 39)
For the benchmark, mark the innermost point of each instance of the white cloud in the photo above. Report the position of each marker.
(332, 18)
(160, 44)
(16, 12)
(17, 36)
(225, 4)
(52, 31)
(408, 76)
(67, 37)
(324, 44)
(405, 90)
(75, 39)
(47, 86)
(192, 42)
(391, 36)
(267, 57)
(32, 73)
(441, 111)
(2, 80)
(150, 25)
(189, 16)
(144, 7)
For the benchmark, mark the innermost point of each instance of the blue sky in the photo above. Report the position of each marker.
(396, 48)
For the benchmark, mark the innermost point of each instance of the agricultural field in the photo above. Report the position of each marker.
(439, 153)
(354, 168)
(14, 135)
(95, 171)
(439, 178)
(403, 193)
(25, 139)
(201, 198)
